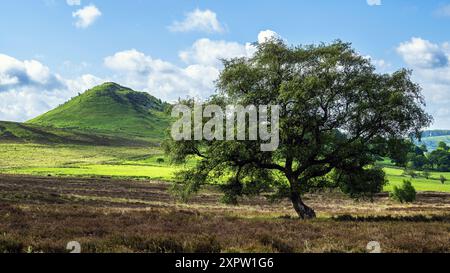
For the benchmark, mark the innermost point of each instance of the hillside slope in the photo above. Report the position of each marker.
(432, 138)
(13, 132)
(111, 109)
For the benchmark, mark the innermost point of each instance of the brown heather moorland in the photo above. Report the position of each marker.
(42, 214)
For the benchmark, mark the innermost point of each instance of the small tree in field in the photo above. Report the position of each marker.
(411, 173)
(160, 160)
(404, 194)
(335, 114)
(426, 174)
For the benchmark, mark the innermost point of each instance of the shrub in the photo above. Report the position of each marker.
(164, 245)
(426, 174)
(404, 194)
(278, 245)
(10, 245)
(205, 244)
(443, 179)
(160, 160)
(410, 173)
(361, 183)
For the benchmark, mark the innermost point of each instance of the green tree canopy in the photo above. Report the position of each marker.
(335, 110)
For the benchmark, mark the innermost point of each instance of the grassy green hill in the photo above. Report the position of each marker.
(112, 110)
(108, 114)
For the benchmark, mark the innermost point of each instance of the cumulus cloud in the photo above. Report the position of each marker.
(198, 20)
(86, 16)
(374, 2)
(28, 88)
(23, 103)
(422, 53)
(202, 66)
(73, 2)
(160, 78)
(381, 65)
(431, 69)
(30, 73)
(208, 52)
(267, 35)
(129, 60)
(81, 84)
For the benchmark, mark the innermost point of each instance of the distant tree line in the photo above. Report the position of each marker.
(411, 156)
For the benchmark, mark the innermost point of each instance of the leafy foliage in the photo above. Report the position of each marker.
(411, 173)
(426, 174)
(335, 112)
(404, 194)
(360, 182)
(160, 160)
(420, 159)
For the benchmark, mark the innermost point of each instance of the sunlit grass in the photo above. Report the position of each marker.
(132, 171)
(134, 162)
(396, 177)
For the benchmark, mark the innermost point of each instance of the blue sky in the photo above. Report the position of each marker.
(52, 49)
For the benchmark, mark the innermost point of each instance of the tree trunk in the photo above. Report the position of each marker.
(303, 211)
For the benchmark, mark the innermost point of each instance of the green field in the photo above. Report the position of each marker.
(78, 160)
(396, 177)
(131, 162)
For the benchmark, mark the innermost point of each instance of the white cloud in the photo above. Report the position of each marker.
(160, 78)
(28, 88)
(86, 16)
(267, 35)
(73, 2)
(208, 52)
(29, 73)
(381, 65)
(374, 2)
(169, 81)
(422, 53)
(23, 103)
(431, 69)
(129, 60)
(198, 20)
(82, 83)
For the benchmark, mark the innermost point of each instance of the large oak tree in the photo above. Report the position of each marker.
(336, 113)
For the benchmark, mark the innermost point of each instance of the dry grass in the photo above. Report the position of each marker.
(43, 214)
